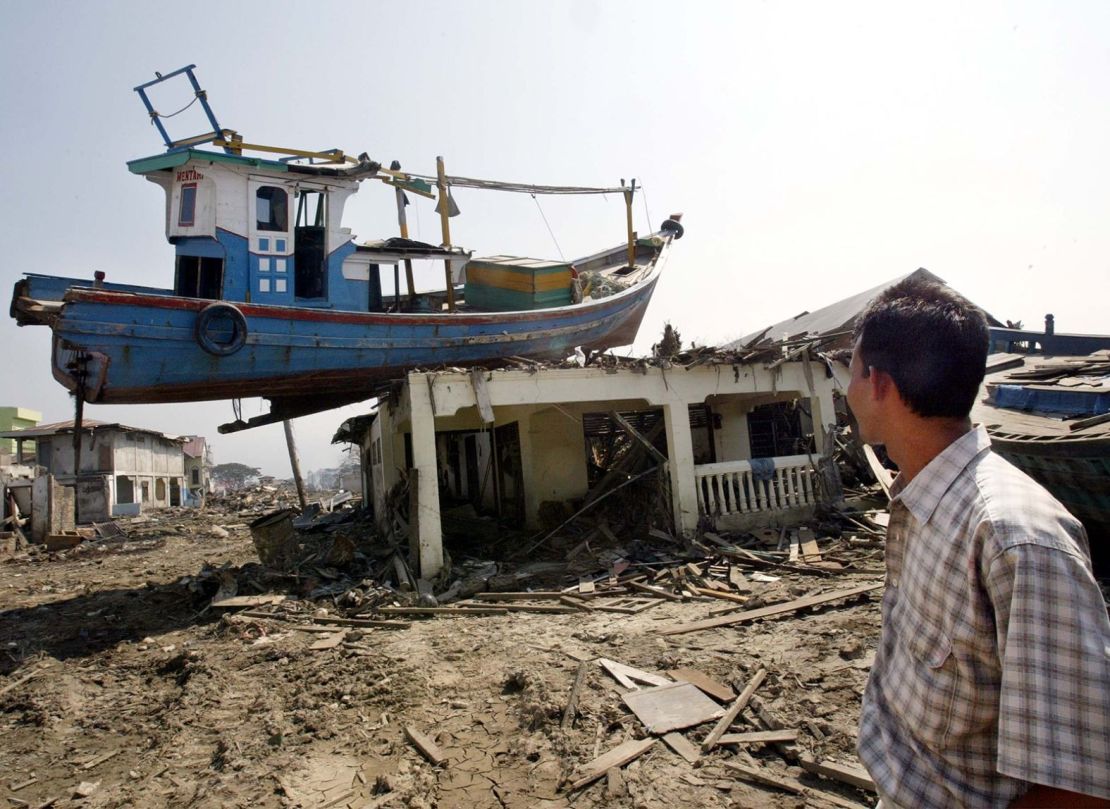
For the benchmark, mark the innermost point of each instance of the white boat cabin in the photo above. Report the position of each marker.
(253, 230)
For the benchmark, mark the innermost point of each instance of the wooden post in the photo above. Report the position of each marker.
(403, 222)
(294, 462)
(445, 226)
(628, 192)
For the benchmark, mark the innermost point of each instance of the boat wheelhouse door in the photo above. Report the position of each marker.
(310, 240)
(271, 244)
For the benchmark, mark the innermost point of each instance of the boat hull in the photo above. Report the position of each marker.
(120, 347)
(1076, 471)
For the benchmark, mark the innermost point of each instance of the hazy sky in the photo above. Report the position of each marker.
(816, 149)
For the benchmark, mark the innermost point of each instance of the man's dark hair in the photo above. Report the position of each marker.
(931, 341)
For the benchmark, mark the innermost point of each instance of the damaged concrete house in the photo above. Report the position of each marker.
(122, 469)
(737, 440)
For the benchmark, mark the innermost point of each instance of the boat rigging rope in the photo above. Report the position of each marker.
(155, 114)
(647, 212)
(549, 230)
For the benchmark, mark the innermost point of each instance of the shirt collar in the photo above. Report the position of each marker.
(922, 495)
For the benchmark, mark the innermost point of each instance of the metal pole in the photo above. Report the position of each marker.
(294, 462)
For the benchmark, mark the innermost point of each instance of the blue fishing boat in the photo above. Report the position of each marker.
(273, 297)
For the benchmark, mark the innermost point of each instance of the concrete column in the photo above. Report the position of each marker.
(823, 413)
(426, 535)
(680, 455)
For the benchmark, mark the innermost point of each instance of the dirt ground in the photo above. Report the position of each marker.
(121, 687)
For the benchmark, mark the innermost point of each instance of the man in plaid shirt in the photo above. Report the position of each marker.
(991, 684)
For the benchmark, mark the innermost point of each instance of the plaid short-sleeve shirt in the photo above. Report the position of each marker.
(993, 667)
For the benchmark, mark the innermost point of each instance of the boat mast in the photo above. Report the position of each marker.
(403, 221)
(628, 192)
(445, 225)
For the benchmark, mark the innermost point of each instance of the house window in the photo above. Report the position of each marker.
(272, 208)
(196, 477)
(186, 214)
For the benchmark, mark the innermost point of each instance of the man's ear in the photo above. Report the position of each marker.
(882, 384)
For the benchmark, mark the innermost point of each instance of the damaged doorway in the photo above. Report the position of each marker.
(482, 469)
(626, 455)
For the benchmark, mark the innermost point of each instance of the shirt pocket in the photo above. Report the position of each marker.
(924, 679)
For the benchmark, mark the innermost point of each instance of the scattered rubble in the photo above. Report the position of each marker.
(164, 662)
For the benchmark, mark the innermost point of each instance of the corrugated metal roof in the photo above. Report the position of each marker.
(44, 430)
(839, 316)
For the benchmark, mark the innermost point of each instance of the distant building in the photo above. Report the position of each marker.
(17, 418)
(198, 478)
(122, 469)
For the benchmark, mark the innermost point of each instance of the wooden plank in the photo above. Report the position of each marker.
(429, 749)
(577, 603)
(627, 605)
(1083, 424)
(766, 612)
(760, 776)
(330, 641)
(846, 773)
(810, 551)
(481, 395)
(23, 679)
(655, 591)
(370, 623)
(704, 591)
(572, 702)
(442, 611)
(760, 737)
(734, 710)
(539, 595)
(659, 457)
(262, 600)
(681, 745)
(671, 707)
(881, 473)
(517, 607)
(628, 674)
(717, 690)
(617, 757)
(738, 580)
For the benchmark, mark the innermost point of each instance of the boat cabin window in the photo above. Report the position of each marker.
(272, 208)
(186, 214)
(199, 277)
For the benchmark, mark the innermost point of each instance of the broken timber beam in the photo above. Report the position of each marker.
(617, 757)
(845, 773)
(429, 749)
(572, 703)
(759, 776)
(733, 711)
(766, 612)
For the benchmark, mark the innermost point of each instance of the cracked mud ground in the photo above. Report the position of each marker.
(120, 688)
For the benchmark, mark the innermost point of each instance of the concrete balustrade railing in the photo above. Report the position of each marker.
(733, 488)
